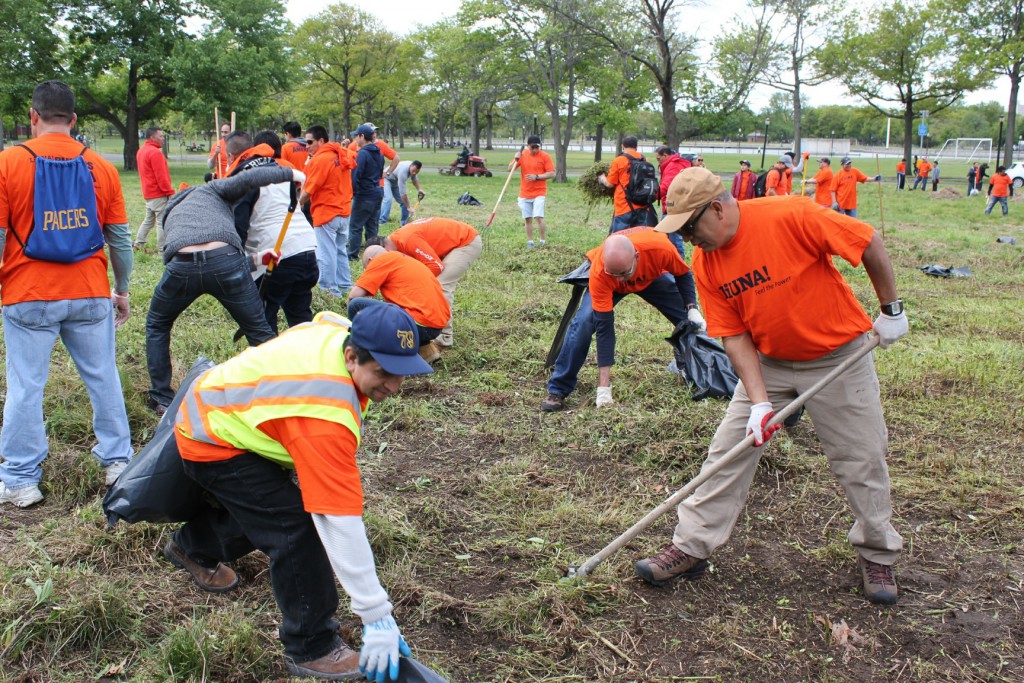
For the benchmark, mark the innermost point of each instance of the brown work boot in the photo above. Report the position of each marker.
(553, 403)
(669, 564)
(430, 352)
(879, 582)
(340, 664)
(217, 580)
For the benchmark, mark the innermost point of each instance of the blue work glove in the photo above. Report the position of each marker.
(878, 178)
(382, 644)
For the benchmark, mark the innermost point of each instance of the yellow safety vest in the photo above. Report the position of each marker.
(301, 373)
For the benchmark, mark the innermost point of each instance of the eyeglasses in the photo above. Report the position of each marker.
(687, 231)
(626, 274)
(700, 158)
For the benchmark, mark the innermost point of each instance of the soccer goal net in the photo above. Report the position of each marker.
(971, 149)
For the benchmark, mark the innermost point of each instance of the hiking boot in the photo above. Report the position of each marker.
(669, 564)
(157, 408)
(879, 582)
(113, 471)
(553, 403)
(217, 580)
(429, 352)
(793, 419)
(340, 664)
(21, 497)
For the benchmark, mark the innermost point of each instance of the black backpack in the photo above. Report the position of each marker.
(642, 188)
(761, 184)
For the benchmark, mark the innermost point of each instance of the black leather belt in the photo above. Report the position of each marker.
(201, 256)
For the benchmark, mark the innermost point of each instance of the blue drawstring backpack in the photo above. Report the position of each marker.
(66, 226)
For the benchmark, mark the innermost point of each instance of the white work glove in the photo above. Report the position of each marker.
(382, 644)
(760, 414)
(121, 308)
(298, 176)
(604, 397)
(890, 328)
(694, 316)
(266, 257)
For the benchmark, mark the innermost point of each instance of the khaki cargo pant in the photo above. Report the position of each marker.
(847, 417)
(456, 263)
(154, 216)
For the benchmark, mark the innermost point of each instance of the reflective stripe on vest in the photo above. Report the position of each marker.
(226, 405)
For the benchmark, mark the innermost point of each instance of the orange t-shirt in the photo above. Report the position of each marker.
(787, 181)
(329, 182)
(776, 280)
(844, 184)
(901, 167)
(1000, 184)
(776, 180)
(27, 279)
(429, 240)
(746, 178)
(924, 168)
(538, 163)
(618, 175)
(408, 284)
(324, 454)
(296, 153)
(823, 186)
(220, 166)
(656, 255)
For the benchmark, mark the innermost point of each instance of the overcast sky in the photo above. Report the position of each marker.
(403, 16)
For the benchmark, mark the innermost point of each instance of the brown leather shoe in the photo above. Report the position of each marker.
(430, 352)
(340, 664)
(217, 580)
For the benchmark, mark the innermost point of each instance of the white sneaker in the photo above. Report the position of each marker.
(529, 244)
(114, 471)
(542, 242)
(23, 497)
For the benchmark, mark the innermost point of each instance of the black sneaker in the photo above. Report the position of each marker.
(793, 419)
(553, 403)
(879, 582)
(157, 408)
(669, 564)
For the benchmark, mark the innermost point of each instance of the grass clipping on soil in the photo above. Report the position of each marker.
(591, 188)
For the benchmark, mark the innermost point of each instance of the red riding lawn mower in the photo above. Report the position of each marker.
(468, 165)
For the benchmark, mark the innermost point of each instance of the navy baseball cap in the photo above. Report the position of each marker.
(391, 337)
(366, 130)
(533, 141)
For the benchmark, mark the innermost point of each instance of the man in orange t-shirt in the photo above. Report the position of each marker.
(775, 183)
(901, 175)
(328, 190)
(999, 187)
(822, 182)
(46, 299)
(407, 283)
(844, 187)
(625, 214)
(787, 318)
(294, 149)
(632, 261)
(535, 168)
(446, 247)
(924, 168)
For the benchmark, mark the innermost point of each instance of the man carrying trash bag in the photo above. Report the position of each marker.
(787, 318)
(272, 434)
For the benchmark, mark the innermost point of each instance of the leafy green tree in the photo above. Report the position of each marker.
(28, 42)
(898, 59)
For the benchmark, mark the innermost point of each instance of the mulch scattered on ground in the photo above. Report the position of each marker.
(947, 193)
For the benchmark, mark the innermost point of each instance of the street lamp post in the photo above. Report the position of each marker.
(831, 143)
(739, 140)
(764, 144)
(999, 144)
(534, 124)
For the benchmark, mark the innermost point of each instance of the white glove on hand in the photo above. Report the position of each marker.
(298, 176)
(266, 257)
(382, 644)
(604, 397)
(890, 328)
(760, 414)
(121, 309)
(694, 316)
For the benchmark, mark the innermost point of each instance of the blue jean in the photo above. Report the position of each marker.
(261, 509)
(390, 197)
(426, 334)
(849, 212)
(992, 202)
(365, 218)
(923, 182)
(332, 255)
(662, 294)
(644, 215)
(86, 328)
(225, 277)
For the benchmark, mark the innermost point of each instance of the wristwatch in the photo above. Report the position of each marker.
(893, 308)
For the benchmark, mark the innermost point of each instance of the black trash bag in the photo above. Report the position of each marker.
(707, 368)
(469, 200)
(942, 271)
(580, 276)
(411, 671)
(579, 279)
(154, 487)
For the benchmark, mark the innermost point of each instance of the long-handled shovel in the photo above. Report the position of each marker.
(881, 212)
(514, 167)
(277, 248)
(710, 471)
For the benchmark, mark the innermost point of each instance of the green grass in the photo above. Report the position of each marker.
(477, 503)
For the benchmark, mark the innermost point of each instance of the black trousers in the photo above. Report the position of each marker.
(290, 287)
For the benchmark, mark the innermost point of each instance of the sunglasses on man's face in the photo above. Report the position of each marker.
(687, 231)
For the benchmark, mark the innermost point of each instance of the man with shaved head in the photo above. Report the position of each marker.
(632, 261)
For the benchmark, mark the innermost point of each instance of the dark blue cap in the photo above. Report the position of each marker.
(391, 337)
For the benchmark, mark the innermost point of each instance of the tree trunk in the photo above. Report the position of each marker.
(560, 148)
(131, 119)
(796, 112)
(668, 116)
(490, 127)
(1011, 113)
(474, 126)
(2, 140)
(908, 140)
(598, 142)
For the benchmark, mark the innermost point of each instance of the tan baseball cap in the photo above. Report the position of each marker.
(691, 189)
